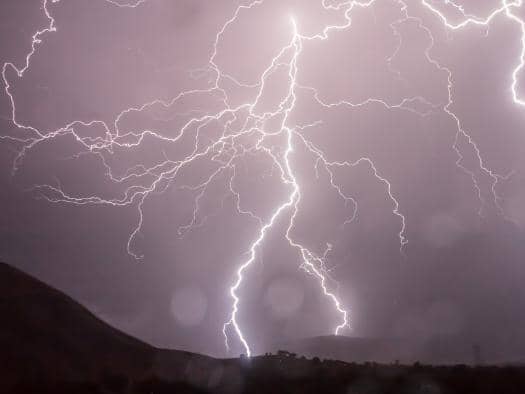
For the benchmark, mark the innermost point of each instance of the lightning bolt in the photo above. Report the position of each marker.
(311, 263)
(506, 9)
(288, 177)
(246, 121)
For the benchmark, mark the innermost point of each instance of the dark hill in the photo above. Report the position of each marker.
(50, 331)
(46, 335)
(444, 350)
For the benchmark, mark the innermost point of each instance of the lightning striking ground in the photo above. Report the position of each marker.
(246, 121)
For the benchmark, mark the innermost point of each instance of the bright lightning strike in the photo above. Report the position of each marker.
(288, 178)
(227, 150)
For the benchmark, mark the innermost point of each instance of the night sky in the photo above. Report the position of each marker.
(153, 144)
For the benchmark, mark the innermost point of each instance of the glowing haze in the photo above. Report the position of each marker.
(262, 140)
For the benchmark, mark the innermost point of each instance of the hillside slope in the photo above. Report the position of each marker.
(46, 335)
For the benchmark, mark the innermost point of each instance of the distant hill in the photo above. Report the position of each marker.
(383, 350)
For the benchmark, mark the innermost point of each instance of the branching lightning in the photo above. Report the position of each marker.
(227, 150)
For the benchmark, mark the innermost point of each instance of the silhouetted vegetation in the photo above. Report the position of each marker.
(282, 373)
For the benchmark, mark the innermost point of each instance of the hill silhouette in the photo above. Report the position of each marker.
(438, 350)
(51, 344)
(47, 336)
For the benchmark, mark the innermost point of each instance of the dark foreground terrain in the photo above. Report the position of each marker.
(51, 344)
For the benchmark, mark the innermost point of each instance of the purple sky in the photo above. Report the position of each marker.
(259, 131)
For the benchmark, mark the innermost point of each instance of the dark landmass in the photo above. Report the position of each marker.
(51, 344)
(435, 350)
